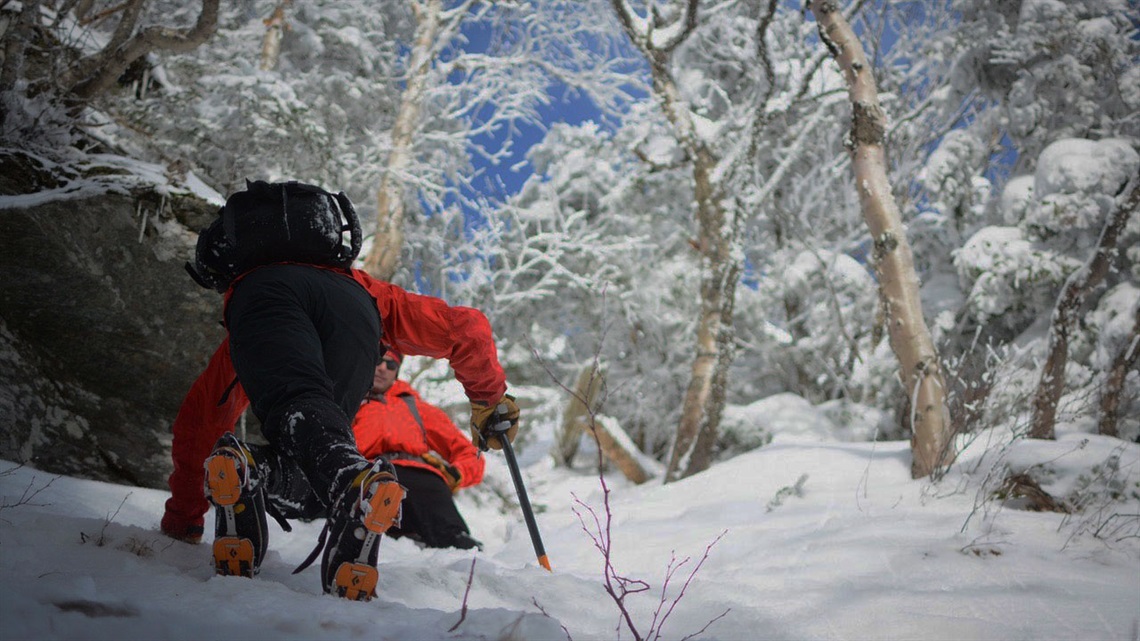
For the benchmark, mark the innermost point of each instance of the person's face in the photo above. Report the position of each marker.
(385, 374)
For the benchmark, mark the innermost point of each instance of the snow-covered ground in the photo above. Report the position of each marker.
(817, 540)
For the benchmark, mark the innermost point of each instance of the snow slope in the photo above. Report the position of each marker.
(821, 540)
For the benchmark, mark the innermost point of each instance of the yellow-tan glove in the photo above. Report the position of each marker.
(489, 423)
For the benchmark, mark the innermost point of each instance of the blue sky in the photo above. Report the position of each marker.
(565, 106)
(498, 181)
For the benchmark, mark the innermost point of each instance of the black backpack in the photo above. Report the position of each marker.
(274, 223)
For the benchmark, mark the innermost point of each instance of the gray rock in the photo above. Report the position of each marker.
(101, 329)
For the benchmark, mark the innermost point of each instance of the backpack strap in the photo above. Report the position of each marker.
(351, 225)
(450, 473)
(411, 402)
(226, 394)
(285, 208)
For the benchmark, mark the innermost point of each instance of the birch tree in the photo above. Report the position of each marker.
(744, 104)
(920, 369)
(657, 34)
(492, 90)
(275, 26)
(431, 24)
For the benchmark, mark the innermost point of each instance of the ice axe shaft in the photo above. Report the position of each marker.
(520, 489)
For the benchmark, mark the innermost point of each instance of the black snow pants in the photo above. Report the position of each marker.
(430, 516)
(304, 342)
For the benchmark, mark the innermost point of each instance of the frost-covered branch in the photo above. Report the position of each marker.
(96, 73)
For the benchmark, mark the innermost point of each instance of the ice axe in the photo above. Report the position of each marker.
(497, 429)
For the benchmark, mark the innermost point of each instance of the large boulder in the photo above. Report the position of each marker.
(101, 329)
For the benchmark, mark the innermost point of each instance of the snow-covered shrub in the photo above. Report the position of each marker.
(950, 176)
(786, 416)
(1075, 189)
(824, 304)
(1013, 273)
(1009, 279)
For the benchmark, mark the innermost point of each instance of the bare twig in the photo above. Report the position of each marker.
(706, 626)
(466, 592)
(101, 539)
(545, 614)
(685, 586)
(29, 493)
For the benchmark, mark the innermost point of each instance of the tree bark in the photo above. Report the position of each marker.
(383, 258)
(1077, 287)
(616, 446)
(275, 26)
(582, 403)
(1124, 362)
(16, 39)
(909, 336)
(717, 242)
(705, 397)
(98, 72)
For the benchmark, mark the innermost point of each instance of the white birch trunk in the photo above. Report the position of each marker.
(275, 26)
(920, 370)
(717, 241)
(384, 257)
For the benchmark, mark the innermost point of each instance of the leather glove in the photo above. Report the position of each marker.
(489, 423)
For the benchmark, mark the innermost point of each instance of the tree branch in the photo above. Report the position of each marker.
(97, 73)
(1052, 382)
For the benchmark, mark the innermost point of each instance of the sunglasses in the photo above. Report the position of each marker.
(391, 364)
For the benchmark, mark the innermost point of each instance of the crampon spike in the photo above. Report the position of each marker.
(233, 556)
(356, 581)
(223, 480)
(383, 509)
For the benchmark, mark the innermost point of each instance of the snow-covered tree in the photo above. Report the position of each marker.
(1047, 82)
(58, 57)
(315, 117)
(810, 329)
(1060, 217)
(919, 366)
(591, 223)
(490, 89)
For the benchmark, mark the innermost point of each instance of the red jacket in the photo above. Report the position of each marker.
(414, 324)
(386, 425)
